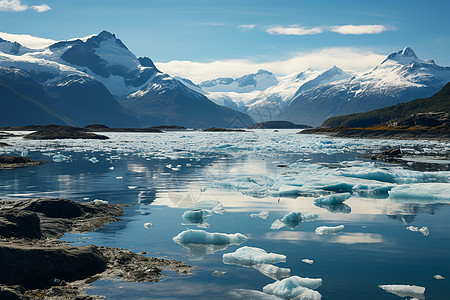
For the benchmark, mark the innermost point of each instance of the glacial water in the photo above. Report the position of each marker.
(164, 175)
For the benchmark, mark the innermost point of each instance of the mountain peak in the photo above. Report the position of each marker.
(405, 56)
(408, 52)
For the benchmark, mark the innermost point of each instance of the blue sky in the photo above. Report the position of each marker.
(210, 31)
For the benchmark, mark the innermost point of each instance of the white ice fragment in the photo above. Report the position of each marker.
(197, 216)
(405, 290)
(111, 168)
(295, 287)
(438, 277)
(93, 160)
(308, 261)
(272, 271)
(329, 230)
(169, 166)
(24, 153)
(148, 225)
(421, 192)
(249, 256)
(217, 273)
(119, 177)
(59, 158)
(213, 205)
(192, 236)
(332, 199)
(252, 295)
(262, 215)
(86, 198)
(293, 219)
(100, 202)
(132, 187)
(423, 230)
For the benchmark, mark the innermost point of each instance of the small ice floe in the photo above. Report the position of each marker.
(249, 256)
(329, 230)
(295, 287)
(197, 216)
(24, 153)
(293, 219)
(192, 236)
(212, 205)
(148, 225)
(111, 168)
(332, 199)
(308, 261)
(424, 230)
(438, 277)
(262, 215)
(59, 158)
(119, 177)
(272, 271)
(217, 273)
(93, 160)
(132, 187)
(252, 294)
(100, 202)
(403, 291)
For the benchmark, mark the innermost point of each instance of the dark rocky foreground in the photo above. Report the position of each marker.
(34, 264)
(12, 162)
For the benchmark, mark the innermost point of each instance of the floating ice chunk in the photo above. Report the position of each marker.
(308, 261)
(295, 287)
(405, 290)
(93, 160)
(100, 202)
(249, 256)
(212, 205)
(111, 168)
(86, 198)
(421, 192)
(218, 273)
(377, 174)
(371, 189)
(24, 153)
(169, 166)
(148, 225)
(332, 199)
(262, 215)
(252, 295)
(293, 219)
(132, 187)
(59, 158)
(272, 271)
(424, 230)
(285, 191)
(192, 236)
(119, 177)
(439, 277)
(197, 216)
(329, 230)
(336, 208)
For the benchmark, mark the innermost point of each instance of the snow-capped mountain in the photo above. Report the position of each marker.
(92, 75)
(401, 77)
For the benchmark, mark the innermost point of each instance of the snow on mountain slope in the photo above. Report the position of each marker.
(401, 77)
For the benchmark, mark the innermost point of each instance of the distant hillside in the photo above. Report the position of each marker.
(438, 102)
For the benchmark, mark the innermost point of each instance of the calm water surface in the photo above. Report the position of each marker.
(163, 175)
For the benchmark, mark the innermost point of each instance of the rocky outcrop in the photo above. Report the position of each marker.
(278, 125)
(12, 162)
(63, 132)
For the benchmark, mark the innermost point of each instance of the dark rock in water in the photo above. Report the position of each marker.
(169, 127)
(11, 162)
(388, 155)
(96, 127)
(12, 293)
(55, 208)
(215, 129)
(33, 267)
(63, 132)
(20, 224)
(103, 128)
(278, 125)
(3, 144)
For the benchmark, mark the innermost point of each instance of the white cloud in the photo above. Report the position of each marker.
(27, 40)
(359, 29)
(17, 6)
(246, 27)
(294, 30)
(349, 59)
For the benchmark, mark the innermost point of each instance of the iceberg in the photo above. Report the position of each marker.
(308, 261)
(93, 160)
(329, 230)
(252, 295)
(336, 208)
(293, 219)
(212, 205)
(193, 236)
(424, 230)
(59, 158)
(218, 273)
(249, 256)
(262, 215)
(272, 271)
(100, 202)
(148, 225)
(295, 287)
(197, 216)
(405, 290)
(439, 277)
(332, 199)
(421, 192)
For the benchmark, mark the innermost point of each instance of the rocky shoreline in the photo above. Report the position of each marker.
(35, 264)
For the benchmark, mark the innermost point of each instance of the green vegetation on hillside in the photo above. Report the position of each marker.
(439, 102)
